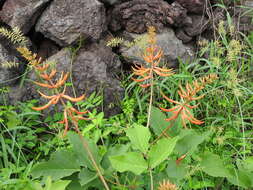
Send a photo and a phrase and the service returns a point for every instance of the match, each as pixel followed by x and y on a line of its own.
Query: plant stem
pixel 163 133
pixel 151 179
pixel 150 100
pixel 86 147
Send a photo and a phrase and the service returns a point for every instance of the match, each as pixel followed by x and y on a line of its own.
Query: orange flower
pixel 58 84
pixel 47 77
pixel 183 110
pixel 69 113
pixel 187 95
pixel 74 115
pixel 152 56
pixel 54 99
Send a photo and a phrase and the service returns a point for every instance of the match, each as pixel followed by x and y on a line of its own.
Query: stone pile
pixel 53 25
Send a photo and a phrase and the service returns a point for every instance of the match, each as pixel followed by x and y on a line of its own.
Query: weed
pixel 120 152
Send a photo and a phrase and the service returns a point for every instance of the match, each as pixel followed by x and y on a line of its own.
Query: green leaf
pixel 80 152
pixel 189 141
pixel 13 119
pixel 75 182
pixel 248 164
pixel 158 123
pixel 49 185
pixel 115 150
pixel 139 137
pixel 213 165
pixel 130 161
pixel 241 178
pixel 62 163
pixel 203 184
pixel 176 171
pixel 161 150
pixel 86 176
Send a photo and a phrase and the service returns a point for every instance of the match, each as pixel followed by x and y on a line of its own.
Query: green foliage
pixel 130 161
pixel 160 126
pixel 49 185
pixel 61 164
pixel 214 155
pixel 213 166
pixel 139 137
pixel 160 151
pixel 80 154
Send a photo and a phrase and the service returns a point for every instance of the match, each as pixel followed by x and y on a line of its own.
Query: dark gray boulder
pixel 136 15
pixel 65 21
pixel 22 13
pixel 193 6
pixel 199 25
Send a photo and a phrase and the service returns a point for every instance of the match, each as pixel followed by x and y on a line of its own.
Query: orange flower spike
pixel 145 85
pixel 192 107
pixel 189 89
pixel 44 76
pixel 173 117
pixel 165 70
pixel 62 80
pixel 190 117
pixel 47 77
pixel 187 95
pixel 81 118
pixel 162 74
pixel 182 93
pixel 198 98
pixel 148 59
pixel 171 109
pixel 45 106
pixel 152 56
pixel 158 54
pixel 44 85
pixel 52 74
pixel 157 62
pixel 42 68
pixel 140 69
pixel 45 96
pixel 141 80
pixel 57 98
pixel 78 112
pixel 73 99
pixel 170 100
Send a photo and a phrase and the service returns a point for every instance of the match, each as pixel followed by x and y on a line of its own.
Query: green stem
pixel 151 180
pixel 150 100
pixel 86 147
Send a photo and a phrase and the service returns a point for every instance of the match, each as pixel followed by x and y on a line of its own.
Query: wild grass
pixel 166 137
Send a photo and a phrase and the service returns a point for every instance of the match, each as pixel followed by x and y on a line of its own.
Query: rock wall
pixel 53 25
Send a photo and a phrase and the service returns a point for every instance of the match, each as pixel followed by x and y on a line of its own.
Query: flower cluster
pixel 47 75
pixel 188 95
pixel 152 56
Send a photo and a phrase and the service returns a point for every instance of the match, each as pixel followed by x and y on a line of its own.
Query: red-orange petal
pixel 43 107
pixel 73 99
